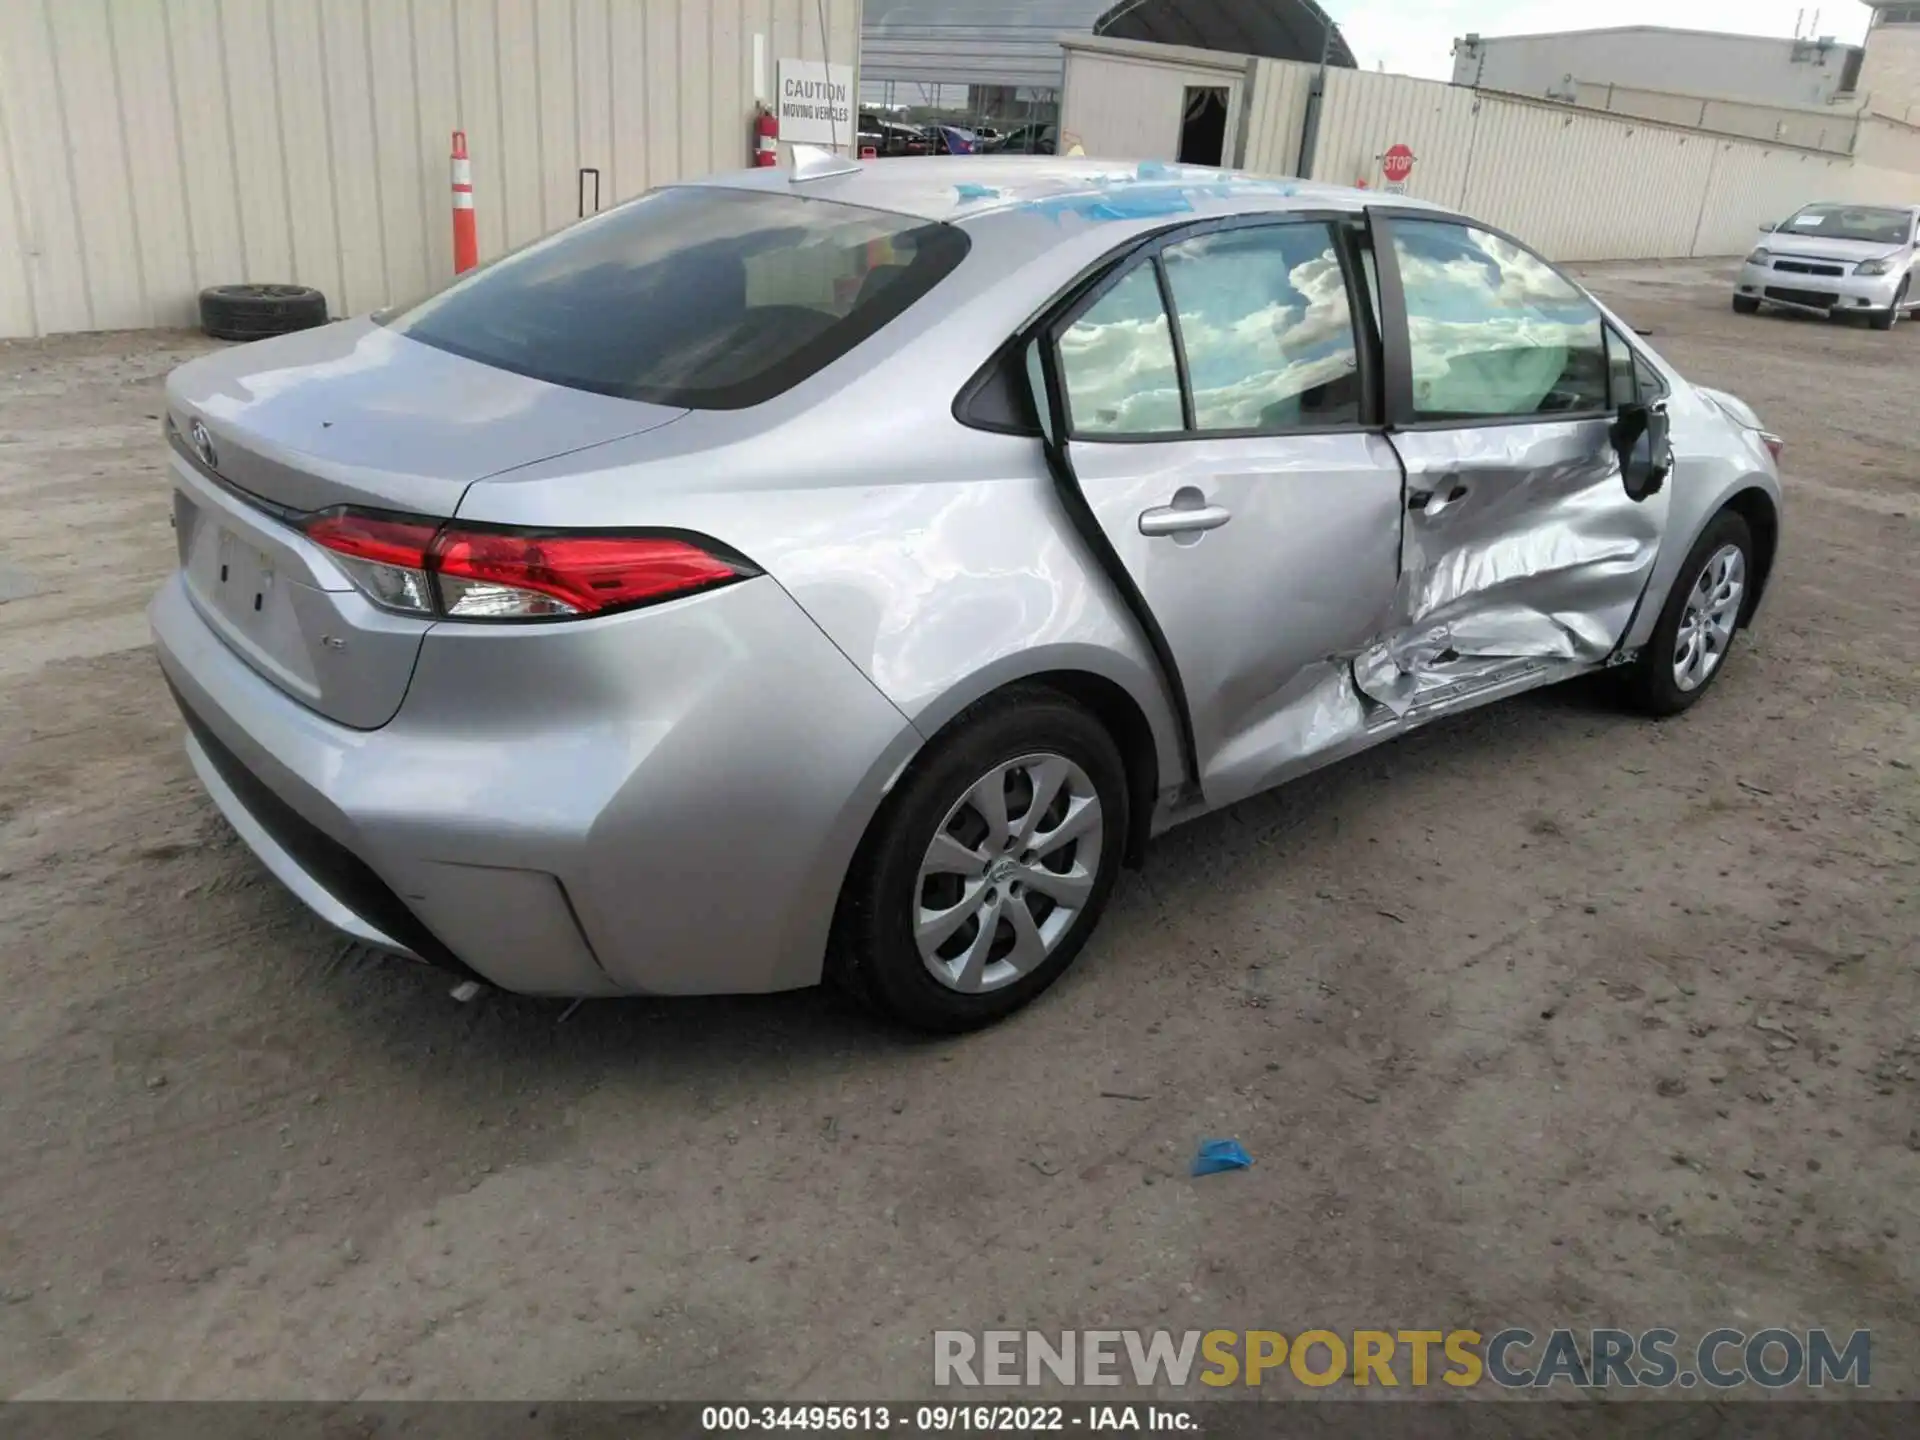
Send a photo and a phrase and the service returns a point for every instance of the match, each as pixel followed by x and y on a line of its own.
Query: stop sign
pixel 1397 164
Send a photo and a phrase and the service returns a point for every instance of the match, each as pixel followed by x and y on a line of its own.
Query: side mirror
pixel 1768 229
pixel 1641 438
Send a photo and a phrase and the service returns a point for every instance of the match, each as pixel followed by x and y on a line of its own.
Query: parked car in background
pixel 952 140
pixel 844 572
pixel 1039 139
pixel 986 134
pixel 1836 259
pixel 892 137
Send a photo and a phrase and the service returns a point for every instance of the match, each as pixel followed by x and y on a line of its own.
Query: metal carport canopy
pixel 1017 42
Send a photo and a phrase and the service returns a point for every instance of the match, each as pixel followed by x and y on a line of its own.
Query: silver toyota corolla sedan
pixel 1832 259
pixel 843 571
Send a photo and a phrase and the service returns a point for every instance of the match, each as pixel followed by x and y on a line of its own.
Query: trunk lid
pixel 348 414
pixel 354 414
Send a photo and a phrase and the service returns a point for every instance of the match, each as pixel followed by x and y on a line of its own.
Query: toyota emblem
pixel 203 445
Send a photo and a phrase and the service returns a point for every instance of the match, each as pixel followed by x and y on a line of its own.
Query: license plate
pixel 241 578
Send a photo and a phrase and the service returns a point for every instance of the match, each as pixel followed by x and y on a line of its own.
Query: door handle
pixel 1433 502
pixel 1183 519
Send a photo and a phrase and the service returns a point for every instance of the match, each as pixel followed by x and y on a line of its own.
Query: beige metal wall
pixel 1832 129
pixel 151 147
pixel 1363 114
pixel 1890 72
pixel 1877 185
pixel 1577 184
pixel 1276 114
pixel 1755 185
pixel 1585 187
pixel 1888 144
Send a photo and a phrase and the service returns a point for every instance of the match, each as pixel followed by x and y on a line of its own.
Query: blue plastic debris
pixel 976 192
pixel 1218 1155
pixel 1114 203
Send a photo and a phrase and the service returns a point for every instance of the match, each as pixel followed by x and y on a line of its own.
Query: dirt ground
pixel 1545 1016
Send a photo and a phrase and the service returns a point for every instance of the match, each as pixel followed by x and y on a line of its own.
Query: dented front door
pixel 1522 555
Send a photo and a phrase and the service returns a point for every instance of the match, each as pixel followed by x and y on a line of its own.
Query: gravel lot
pixel 1545 1016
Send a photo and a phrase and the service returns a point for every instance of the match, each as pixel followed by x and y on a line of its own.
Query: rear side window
pixel 697 296
pixel 1266 328
pixel 1118 365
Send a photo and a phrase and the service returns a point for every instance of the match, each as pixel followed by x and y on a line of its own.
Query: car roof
pixel 966 188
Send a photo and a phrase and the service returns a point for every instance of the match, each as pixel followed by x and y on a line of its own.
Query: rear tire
pixel 928 933
pixel 1745 305
pixel 254 312
pixel 1698 622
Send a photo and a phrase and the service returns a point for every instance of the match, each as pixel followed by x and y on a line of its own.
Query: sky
pixel 1415 37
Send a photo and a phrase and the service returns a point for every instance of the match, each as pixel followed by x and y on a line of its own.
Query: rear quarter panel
pixel 934 555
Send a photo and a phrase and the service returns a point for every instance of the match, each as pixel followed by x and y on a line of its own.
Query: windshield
pixel 1852 222
pixel 695 296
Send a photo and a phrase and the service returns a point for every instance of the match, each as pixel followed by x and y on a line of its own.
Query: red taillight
pixel 374 537
pixel 1774 445
pixel 462 573
pixel 586 573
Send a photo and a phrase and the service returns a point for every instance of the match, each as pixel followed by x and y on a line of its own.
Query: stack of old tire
pixel 253 312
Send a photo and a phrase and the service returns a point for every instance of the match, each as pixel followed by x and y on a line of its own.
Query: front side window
pixel 1622 370
pixel 694 296
pixel 1117 363
pixel 1266 328
pixel 1495 332
pixel 1647 381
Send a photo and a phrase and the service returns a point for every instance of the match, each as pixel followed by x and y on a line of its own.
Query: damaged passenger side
pixel 1532 506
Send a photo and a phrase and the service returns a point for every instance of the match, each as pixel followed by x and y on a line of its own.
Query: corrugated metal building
pixel 1762 69
pixel 152 147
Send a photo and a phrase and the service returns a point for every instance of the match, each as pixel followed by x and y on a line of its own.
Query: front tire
pixel 989 866
pixel 1745 305
pixel 1689 645
pixel 1888 318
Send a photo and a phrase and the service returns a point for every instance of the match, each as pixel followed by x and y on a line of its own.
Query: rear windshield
pixel 695 296
pixel 1852 222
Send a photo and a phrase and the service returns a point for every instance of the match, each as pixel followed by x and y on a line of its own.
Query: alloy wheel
pixel 1707 624
pixel 1009 871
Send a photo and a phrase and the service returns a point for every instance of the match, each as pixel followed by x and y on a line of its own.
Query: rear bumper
pixel 268 763
pixel 661 802
pixel 1817 294
pixel 323 875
